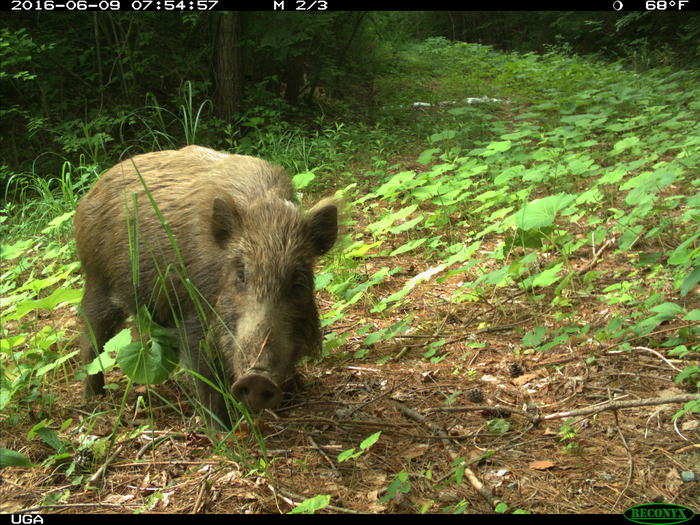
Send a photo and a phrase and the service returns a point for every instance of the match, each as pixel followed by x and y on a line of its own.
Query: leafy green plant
pixel 365 444
pixel 567 436
pixel 400 485
pixel 311 505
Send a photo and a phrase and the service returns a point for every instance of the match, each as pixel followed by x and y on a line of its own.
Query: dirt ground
pixel 428 414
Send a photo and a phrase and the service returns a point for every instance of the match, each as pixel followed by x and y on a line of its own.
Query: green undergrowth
pixel 587 163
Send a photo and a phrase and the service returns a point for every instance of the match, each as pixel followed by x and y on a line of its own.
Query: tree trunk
pixel 227 66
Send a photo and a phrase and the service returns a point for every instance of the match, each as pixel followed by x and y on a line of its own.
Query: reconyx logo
pixel 658 513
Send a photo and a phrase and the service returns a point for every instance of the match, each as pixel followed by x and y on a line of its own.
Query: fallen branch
pixel 617 405
pixel 203 494
pixel 484 491
pixel 596 256
pixel 651 351
pixel 101 471
pixel 151 444
pixel 495 408
pixel 325 456
pixel 77 506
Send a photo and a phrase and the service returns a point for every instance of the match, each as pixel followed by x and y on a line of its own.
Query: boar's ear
pixel 323 225
pixel 225 220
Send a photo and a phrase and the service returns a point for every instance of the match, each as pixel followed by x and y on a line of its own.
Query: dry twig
pixel 495 408
pixel 203 494
pixel 101 471
pixel 617 405
pixel 484 491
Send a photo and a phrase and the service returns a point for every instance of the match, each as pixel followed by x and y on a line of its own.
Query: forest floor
pixel 457 395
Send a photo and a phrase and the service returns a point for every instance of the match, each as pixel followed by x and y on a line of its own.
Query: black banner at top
pixel 313 6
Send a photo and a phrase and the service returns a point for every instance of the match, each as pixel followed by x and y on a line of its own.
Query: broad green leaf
pixel 302 180
pixel 500 146
pixel 443 135
pixel 548 276
pixel 462 253
pixel 104 361
pixel 690 281
pixel 311 505
pixel 541 212
pixel 398 182
pixel 50 437
pixel 513 172
pixel 693 315
pixel 395 329
pixel 147 366
pixel 400 485
pixel 347 454
pixel 10 342
pixel 427 156
pixel 58 221
pixel 496 277
pixel 361 249
pixel 668 310
pixel 370 440
pixel 498 425
pixel 11 251
pixel 407 247
pixel 58 296
pixel 321 280
pixel 534 337
pixel 406 225
pixel 612 177
pixel 501 508
pixel 10 458
pixel 119 341
pixel 387 221
pixel 627 142
pixel 56 363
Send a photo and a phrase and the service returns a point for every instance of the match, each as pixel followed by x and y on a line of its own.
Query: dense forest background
pixel 99 85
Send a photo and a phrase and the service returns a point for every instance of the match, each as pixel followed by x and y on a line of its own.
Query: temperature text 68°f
pixel 663 5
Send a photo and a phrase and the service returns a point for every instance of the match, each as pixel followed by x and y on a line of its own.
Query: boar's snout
pixel 257 392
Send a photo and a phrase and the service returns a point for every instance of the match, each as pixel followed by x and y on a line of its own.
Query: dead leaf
pixel 145 482
pixel 228 477
pixel 542 464
pixel 669 392
pixel 414 452
pixel 428 376
pixel 11 507
pixel 165 500
pixel 690 425
pixel 525 378
pixel 673 481
pixel 117 499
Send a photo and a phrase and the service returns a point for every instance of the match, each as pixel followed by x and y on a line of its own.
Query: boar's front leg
pixel 203 362
pixel 101 319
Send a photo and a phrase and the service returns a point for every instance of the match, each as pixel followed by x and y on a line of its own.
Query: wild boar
pixel 226 226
